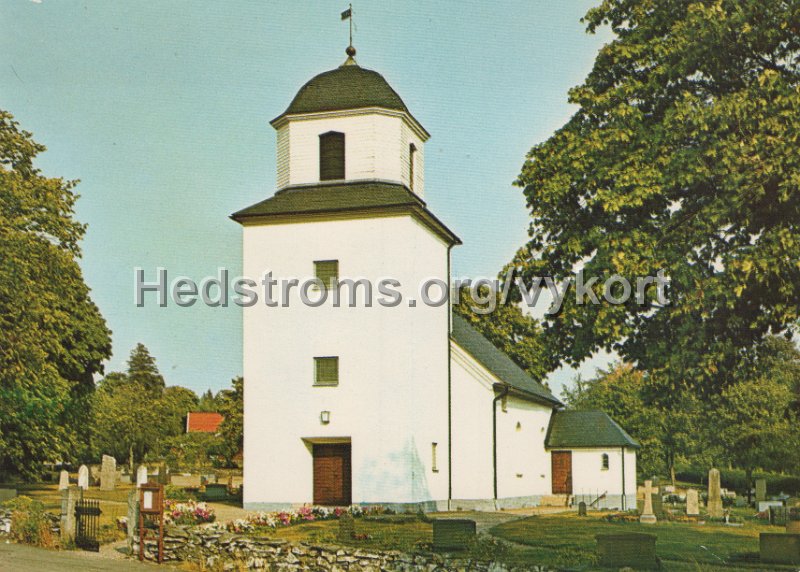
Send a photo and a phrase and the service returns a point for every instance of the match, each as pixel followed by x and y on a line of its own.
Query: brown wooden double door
pixel 562 472
pixel 332 475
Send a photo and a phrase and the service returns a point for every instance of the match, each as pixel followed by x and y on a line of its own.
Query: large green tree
pixel 667 435
pixel 52 336
pixel 754 426
pixel 134 413
pixel 682 156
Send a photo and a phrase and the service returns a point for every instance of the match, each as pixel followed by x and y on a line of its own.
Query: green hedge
pixel 735 479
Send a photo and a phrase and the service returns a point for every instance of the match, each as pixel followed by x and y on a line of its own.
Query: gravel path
pixel 15 557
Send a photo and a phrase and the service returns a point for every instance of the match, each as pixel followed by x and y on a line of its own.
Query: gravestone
pixel 692 503
pixel 83 477
pixel 347 528
pixel 141 476
pixel 108 474
pixel 779 548
pixel 761 490
pixel 63 480
pixel 647 516
pixel 581 508
pixel 714 506
pixel 453 534
pixel 631 549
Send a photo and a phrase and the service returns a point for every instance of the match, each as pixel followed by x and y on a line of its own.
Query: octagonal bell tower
pixel 349 124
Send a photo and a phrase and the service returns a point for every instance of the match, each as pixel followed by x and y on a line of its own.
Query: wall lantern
pixel 325 417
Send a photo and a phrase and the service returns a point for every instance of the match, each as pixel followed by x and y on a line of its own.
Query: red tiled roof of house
pixel 203 422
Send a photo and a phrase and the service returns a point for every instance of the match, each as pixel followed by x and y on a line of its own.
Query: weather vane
pixel 348 15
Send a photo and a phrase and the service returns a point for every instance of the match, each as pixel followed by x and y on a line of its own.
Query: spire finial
pixel 348 15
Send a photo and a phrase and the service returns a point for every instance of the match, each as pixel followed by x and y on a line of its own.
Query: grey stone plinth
pixel 632 549
pixel 778 548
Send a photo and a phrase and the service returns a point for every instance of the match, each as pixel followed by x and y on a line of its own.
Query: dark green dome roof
pixel 346 87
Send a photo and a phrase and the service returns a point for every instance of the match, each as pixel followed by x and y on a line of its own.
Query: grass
pixel 567 539
pixel 113 504
pixel 401 533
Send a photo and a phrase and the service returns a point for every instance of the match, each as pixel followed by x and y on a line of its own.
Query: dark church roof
pixel 586 429
pixel 343 198
pixel 497 362
pixel 347 87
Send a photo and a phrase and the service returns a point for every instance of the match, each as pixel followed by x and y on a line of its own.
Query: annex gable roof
pixel 586 429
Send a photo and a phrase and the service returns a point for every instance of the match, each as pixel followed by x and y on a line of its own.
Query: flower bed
pixel 303 514
pixel 189 512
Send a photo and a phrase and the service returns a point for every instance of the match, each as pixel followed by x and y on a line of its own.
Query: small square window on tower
pixel 604 462
pixel 327 271
pixel 326 371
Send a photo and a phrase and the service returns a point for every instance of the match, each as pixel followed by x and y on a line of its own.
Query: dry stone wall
pixel 220 549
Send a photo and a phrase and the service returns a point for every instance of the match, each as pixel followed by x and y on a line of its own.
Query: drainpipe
pixel 623 478
pixel 449 391
pixel 494 435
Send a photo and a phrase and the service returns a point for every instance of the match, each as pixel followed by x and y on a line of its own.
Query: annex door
pixel 332 474
pixel 562 472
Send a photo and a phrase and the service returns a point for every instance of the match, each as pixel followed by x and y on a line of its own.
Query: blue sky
pixel 161 109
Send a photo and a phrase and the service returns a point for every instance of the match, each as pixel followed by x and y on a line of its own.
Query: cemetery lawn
pixel 400 532
pixel 568 540
pixel 113 504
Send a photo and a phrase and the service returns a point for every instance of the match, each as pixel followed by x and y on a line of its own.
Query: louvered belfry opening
pixel 331 156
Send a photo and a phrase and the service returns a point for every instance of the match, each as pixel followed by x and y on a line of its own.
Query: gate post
pixel 133 519
pixel 69 498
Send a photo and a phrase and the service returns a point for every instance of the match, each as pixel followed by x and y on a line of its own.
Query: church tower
pixel 348 402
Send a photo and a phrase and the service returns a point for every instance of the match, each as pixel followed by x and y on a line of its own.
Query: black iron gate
pixel 87 524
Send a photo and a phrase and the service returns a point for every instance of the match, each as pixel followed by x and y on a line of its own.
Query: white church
pixel 405 406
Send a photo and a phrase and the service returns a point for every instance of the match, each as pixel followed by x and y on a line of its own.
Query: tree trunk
pixel 748 479
pixel 130 458
pixel 672 473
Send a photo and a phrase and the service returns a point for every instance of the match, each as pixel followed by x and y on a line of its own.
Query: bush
pixel 30 523
pixel 486 548
pixel 736 480
pixel 172 492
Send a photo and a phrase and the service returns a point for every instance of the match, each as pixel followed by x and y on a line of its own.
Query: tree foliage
pixel 232 428
pixel 751 424
pixel 143 372
pixel 134 413
pixel 683 156
pixel 514 332
pixel 52 336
